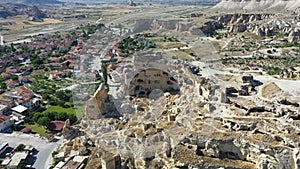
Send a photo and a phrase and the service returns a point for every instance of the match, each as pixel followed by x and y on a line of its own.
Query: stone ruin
pixel 198 126
pixel 151 110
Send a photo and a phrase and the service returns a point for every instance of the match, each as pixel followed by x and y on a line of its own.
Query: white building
pixel 59 165
pixel 1 40
pixel 17 158
pixel 5 122
pixel 20 109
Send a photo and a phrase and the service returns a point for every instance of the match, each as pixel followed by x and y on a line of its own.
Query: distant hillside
pixel 33 12
pixel 43 1
pixel 258 5
pixel 31 2
pixel 187 2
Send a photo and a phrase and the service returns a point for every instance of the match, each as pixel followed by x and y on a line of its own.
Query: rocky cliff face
pixel 255 5
pixel 265 24
pixel 260 24
pixel 238 18
pixel 294 36
pixel 100 105
pixel 36 14
pixel 208 27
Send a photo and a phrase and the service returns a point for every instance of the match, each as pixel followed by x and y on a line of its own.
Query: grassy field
pixel 180 54
pixel 60 109
pixel 41 130
pixel 169 45
pixel 78 109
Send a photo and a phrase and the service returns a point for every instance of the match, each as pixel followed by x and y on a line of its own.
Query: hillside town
pixel 34 95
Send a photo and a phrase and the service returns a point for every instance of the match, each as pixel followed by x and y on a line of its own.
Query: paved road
pixel 45 148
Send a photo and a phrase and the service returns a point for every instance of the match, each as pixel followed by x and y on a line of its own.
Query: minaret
pixel 1 40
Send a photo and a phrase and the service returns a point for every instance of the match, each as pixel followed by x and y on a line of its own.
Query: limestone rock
pixel 267 162
pixel 111 161
pixel 69 132
pixel 256 5
pixel 294 36
pixel 100 105
pixel 182 27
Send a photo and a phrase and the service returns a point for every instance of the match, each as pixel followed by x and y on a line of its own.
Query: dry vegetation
pixel 46 21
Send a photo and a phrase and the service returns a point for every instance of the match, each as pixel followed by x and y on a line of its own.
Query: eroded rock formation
pixel 294 36
pixel 255 5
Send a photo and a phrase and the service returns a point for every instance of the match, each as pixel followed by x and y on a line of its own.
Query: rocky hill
pixel 257 5
pixel 34 13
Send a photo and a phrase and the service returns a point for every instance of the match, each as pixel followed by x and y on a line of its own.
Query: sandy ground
pixel 46 21
pixel 270 90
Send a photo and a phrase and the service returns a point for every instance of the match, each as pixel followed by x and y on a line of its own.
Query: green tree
pixel 64 95
pixel 53 101
pixel 73 118
pixel 54 153
pixel 3 86
pixel 61 116
pixel 44 121
pixel 61 103
pixel 50 115
pixel 12 47
pixel 37 116
pixel 104 74
pixel 20 147
pixel 14 77
pixel 1 78
pixel 37 61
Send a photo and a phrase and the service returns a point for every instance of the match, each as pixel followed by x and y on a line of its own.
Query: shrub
pixel 20 147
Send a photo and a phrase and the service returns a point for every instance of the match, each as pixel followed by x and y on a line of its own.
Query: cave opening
pixel 149 80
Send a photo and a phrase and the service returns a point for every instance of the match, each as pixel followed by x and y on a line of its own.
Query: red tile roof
pixel 24 92
pixel 12 83
pixel 26 130
pixel 4 118
pixel 54 59
pixel 56 125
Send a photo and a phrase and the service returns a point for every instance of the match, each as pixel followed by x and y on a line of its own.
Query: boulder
pixel 294 36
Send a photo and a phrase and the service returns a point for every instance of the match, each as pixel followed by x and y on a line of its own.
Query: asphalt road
pixel 44 148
